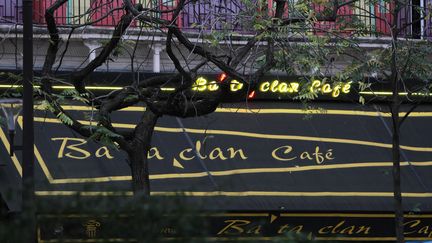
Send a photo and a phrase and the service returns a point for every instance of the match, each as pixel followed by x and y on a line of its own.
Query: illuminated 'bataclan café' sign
pixel 281 87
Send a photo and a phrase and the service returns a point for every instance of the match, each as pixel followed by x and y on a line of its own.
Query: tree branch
pixel 53 45
pixel 77 78
pixel 413 107
pixel 184 107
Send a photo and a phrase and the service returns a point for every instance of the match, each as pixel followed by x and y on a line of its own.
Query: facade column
pixel 92 46
pixel 157 48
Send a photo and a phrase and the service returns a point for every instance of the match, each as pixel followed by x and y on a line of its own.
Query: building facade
pixel 197 18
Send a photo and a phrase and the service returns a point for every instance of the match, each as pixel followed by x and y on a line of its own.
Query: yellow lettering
pixel 411 224
pixel 235 85
pixel 415 226
pixel 346 88
pixel 319 158
pixel 234 226
pixel 183 156
pixel 200 84
pixel 234 152
pixel 213 86
pixel 336 91
pixel 294 87
pixel 329 154
pixel 283 87
pixel 283 228
pixel 154 152
pixel 73 147
pixel 264 87
pixel 315 85
pixel 198 149
pixel 284 150
pixel 334 231
pixel 254 230
pixel 274 85
pixel 215 153
pixel 326 89
pixel 103 151
pixel 325 229
pixel 298 229
pixel 349 230
pixel 305 155
pixel 424 230
pixel 363 229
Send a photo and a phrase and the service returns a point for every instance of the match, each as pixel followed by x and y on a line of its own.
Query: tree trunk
pixel 397 192
pixel 140 171
pixel 395 107
pixel 139 147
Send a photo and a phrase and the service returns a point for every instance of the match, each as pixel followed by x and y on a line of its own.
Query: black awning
pixel 260 156
pixel 4 209
pixel 10 183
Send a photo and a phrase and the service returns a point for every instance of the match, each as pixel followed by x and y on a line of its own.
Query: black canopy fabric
pixel 255 156
pixel 4 209
pixel 10 180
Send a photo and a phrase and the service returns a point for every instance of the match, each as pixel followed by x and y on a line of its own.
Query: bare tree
pixel 402 66
pixel 238 63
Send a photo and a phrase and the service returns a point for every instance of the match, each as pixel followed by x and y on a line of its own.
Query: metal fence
pixel 228 15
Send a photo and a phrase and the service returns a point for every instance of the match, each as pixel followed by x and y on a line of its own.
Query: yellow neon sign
pixel 279 87
pixel 202 84
pixel 235 85
pixel 213 86
pixel 326 88
pixel 275 86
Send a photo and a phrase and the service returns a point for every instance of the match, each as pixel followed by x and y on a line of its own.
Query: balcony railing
pixel 227 15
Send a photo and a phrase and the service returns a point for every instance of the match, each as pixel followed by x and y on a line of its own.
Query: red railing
pixel 375 19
